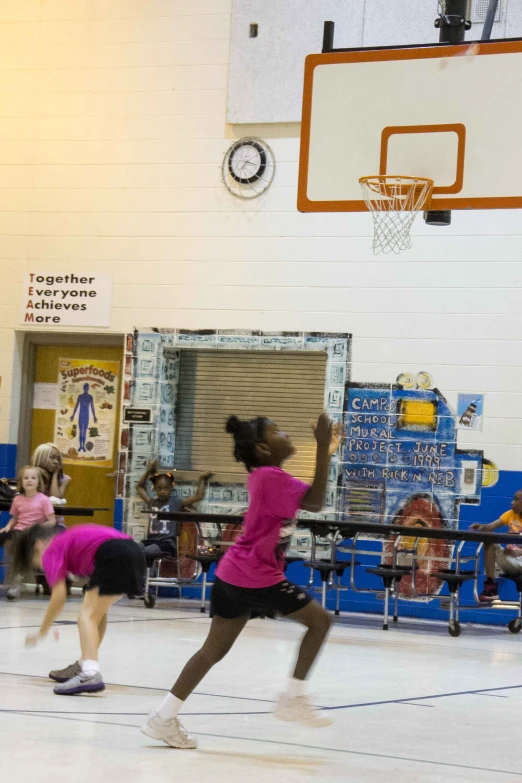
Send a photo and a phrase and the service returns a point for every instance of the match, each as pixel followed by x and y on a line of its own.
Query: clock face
pixel 247 162
pixel 248 167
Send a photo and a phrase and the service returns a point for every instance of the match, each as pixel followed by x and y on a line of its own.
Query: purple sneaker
pixel 82 683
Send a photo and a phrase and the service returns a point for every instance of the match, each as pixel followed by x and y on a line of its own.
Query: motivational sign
pixel 85 419
pixel 68 299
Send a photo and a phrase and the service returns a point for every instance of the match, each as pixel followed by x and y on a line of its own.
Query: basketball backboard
pixel 452 113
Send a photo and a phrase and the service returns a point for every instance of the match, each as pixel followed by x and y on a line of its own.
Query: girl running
pixel 115 565
pixel 29 507
pixel 250 577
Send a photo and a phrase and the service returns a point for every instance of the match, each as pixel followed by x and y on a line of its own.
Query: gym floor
pixel 412 704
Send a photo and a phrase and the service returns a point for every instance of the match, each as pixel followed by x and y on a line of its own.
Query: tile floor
pixel 412 704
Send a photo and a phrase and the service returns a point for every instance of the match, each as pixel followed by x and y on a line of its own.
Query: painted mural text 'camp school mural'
pixel 401 464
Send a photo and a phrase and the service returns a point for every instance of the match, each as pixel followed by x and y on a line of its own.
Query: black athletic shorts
pixel 229 601
pixel 119 568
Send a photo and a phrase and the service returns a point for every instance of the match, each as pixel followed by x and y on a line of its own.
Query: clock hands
pixel 248 168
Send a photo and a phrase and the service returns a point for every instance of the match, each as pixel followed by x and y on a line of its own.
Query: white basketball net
pixel 394 203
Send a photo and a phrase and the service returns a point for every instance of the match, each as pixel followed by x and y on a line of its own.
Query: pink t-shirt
pixel 30 511
pixel 252 561
pixel 74 551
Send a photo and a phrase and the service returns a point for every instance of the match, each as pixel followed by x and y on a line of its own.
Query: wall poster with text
pixel 85 421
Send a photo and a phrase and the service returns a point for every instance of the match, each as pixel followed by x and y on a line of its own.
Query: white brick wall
pixel 112 131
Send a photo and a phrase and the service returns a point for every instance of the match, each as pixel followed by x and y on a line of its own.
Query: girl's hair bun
pixel 233 425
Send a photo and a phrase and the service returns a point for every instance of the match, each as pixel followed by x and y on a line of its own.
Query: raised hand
pixel 337 434
pixel 322 430
pixel 31 640
pixel 152 465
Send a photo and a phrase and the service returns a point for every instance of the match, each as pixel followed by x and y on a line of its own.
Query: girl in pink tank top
pixel 250 578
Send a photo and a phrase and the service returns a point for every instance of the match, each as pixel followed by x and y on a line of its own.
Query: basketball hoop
pixel 394 202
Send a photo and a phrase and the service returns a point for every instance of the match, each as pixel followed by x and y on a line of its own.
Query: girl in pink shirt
pixel 29 507
pixel 115 566
pixel 250 577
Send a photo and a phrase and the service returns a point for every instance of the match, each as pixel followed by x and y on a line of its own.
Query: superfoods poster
pixel 85 421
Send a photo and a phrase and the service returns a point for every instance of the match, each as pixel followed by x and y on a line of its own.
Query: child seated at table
pixel 508 559
pixel 161 534
pixel 48 459
pixel 30 507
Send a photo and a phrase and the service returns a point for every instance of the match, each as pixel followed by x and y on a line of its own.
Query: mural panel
pixel 401 464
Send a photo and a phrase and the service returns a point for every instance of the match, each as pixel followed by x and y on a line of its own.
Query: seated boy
pixel 508 559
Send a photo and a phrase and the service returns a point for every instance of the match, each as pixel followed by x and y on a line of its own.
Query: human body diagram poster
pixel 85 421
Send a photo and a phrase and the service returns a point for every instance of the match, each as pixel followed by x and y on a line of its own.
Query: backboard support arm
pixel 490 18
pixel 452 24
pixel 328 37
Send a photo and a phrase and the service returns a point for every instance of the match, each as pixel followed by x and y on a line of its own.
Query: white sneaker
pixel 299 709
pixel 12 593
pixel 170 731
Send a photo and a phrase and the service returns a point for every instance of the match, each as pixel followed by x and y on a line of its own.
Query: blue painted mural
pixel 401 463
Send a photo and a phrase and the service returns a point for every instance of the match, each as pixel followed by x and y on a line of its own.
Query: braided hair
pixel 247 434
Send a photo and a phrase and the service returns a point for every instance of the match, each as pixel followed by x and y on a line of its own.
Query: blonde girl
pixel 47 457
pixel 30 507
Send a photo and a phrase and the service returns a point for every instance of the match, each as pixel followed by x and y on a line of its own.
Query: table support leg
pixel 386 607
pixel 203 592
pixel 396 588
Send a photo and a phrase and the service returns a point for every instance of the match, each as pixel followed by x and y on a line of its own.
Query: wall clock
pixel 248 167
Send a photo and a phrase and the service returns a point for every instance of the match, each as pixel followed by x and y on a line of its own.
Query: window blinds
pixel 288 388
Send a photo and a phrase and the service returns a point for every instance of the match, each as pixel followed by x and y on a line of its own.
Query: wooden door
pixel 91 485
